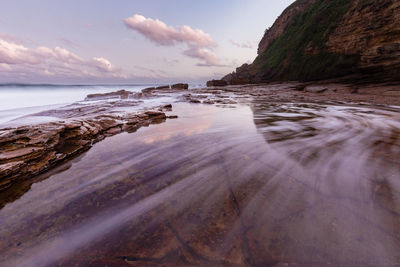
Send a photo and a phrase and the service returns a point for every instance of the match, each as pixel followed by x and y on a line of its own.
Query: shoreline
pixel 27 151
pixel 322 91
pixel 218 172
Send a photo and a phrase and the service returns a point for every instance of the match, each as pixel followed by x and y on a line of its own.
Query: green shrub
pixel 286 57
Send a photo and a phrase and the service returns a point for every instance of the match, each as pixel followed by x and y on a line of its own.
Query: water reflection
pixel 275 184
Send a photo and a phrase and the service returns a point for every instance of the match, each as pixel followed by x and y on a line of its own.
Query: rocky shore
pixel 317 92
pixel 211 180
pixel 27 151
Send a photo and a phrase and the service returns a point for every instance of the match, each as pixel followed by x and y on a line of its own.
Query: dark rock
pixel 123 94
pixel 299 87
pixel 239 81
pixel 155 114
pixel 315 89
pixel 148 90
pixel 216 83
pixel 162 87
pixel 180 86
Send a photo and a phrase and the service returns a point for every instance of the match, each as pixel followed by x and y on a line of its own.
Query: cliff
pixel 354 40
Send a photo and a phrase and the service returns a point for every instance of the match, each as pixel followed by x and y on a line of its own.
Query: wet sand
pixel 259 183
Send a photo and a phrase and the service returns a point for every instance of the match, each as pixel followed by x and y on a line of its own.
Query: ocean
pixel 17 100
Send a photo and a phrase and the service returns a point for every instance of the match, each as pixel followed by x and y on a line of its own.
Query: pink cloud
pixel 204 54
pixel 162 34
pixel 18 60
pixel 199 43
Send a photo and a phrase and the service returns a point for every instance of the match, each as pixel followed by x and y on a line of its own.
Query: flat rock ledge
pixel 28 151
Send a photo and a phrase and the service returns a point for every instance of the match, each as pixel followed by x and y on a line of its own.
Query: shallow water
pixel 265 184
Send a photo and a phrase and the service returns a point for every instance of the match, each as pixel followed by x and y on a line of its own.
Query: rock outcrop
pixel 163 87
pixel 216 83
pixel 30 150
pixel 180 86
pixel 122 94
pixel 349 40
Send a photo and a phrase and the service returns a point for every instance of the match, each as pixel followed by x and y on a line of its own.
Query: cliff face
pixel 282 22
pixel 371 29
pixel 323 39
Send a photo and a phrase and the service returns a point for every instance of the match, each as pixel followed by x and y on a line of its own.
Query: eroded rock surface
pixel 282 184
pixel 29 150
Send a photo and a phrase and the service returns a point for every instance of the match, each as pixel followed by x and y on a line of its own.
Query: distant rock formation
pixel 216 83
pixel 163 87
pixel 350 40
pixel 123 94
pixel 180 86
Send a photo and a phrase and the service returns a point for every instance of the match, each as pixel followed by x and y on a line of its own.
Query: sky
pixel 129 41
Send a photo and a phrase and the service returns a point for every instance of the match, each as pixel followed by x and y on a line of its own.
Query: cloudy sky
pixel 129 41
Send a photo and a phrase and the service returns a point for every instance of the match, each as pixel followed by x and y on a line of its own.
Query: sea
pixel 18 100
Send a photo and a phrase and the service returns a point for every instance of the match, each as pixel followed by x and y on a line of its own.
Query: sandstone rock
pixel 392 93
pixel 21 153
pixel 27 151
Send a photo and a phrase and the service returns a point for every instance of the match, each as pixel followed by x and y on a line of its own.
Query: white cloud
pixel 198 42
pixel 67 56
pixel 103 64
pixel 12 53
pixel 17 60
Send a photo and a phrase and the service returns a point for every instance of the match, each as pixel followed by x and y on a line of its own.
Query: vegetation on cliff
pixel 299 44
pixel 299 53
